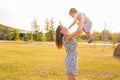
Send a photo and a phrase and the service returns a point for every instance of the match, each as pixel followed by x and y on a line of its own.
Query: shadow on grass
pixel 116 57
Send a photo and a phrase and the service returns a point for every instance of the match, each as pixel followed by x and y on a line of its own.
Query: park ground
pixel 43 61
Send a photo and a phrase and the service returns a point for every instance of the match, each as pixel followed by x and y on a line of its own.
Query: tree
pixel 37 36
pixel 115 38
pixel 10 35
pixel 0 33
pixel 106 35
pixel 96 36
pixel 27 37
pixel 47 29
pixel 5 31
pixel 81 37
pixel 50 32
pixel 16 35
pixel 0 30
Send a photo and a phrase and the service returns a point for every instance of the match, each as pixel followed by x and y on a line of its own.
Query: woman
pixel 70 44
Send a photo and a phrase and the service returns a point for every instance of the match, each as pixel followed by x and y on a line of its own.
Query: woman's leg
pixel 71 76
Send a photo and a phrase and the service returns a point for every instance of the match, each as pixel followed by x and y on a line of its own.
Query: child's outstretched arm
pixel 73 23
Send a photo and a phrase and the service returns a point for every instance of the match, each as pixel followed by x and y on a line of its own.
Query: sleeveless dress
pixel 71 58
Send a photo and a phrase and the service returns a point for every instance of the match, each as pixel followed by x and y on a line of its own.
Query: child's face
pixel 72 15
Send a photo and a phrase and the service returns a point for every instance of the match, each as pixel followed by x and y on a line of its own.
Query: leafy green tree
pixel 43 37
pixel 115 38
pixel 10 35
pixel 106 34
pixel 27 37
pixel 0 30
pixel 50 31
pixel 96 36
pixel 0 33
pixel 16 35
pixel 81 37
pixel 4 34
pixel 37 35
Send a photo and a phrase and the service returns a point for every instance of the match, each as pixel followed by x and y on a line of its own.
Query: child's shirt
pixel 82 16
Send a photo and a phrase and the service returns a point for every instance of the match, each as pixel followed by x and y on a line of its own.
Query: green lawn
pixel 43 61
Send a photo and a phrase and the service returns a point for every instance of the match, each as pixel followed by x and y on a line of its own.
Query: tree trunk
pixel 117 50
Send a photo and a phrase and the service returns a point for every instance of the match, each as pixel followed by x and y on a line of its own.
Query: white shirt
pixel 80 14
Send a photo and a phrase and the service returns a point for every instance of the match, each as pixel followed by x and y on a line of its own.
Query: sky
pixel 21 13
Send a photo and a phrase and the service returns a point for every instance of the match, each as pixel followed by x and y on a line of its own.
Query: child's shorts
pixel 88 26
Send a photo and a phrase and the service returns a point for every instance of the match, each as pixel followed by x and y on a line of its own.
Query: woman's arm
pixel 74 34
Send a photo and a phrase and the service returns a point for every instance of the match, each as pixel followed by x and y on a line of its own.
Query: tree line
pixel 37 35
pixel 8 33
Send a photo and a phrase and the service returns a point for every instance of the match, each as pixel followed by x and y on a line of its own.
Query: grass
pixel 43 61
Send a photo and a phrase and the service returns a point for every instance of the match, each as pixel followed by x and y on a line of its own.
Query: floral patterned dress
pixel 71 58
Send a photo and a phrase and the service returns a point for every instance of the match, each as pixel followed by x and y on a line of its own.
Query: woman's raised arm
pixel 74 34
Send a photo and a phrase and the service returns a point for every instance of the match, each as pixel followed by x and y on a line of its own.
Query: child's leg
pixel 89 35
pixel 88 26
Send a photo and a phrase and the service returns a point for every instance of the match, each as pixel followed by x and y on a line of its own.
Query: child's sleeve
pixel 76 16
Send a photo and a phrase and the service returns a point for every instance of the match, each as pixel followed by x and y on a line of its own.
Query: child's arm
pixel 73 23
pixel 73 34
pixel 77 18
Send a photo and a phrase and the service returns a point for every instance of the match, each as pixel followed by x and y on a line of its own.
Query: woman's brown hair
pixel 59 36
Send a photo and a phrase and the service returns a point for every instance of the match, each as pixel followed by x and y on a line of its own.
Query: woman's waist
pixel 71 52
pixel 71 56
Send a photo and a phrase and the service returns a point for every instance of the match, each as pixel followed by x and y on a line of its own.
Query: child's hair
pixel 72 10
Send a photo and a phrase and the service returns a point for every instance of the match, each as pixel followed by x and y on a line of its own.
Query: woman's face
pixel 63 30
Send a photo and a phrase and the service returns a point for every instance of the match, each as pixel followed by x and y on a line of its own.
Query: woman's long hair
pixel 59 36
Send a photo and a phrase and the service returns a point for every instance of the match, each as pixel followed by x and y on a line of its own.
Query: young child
pixel 83 21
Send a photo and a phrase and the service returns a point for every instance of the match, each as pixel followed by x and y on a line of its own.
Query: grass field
pixel 43 61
